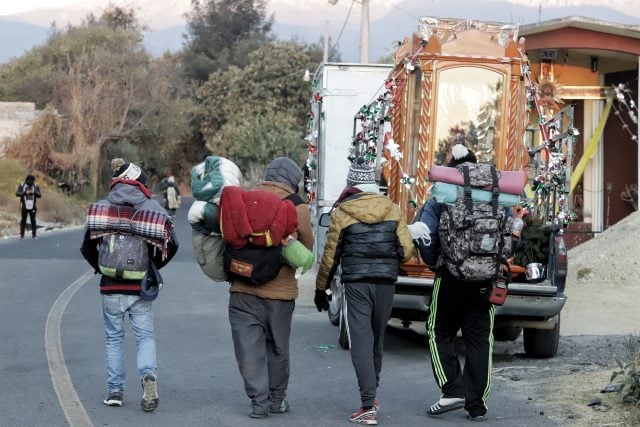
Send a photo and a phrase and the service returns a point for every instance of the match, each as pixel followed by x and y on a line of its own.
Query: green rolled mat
pixel 297 255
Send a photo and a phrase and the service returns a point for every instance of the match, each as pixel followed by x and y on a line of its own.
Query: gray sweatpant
pixel 368 309
pixel 260 329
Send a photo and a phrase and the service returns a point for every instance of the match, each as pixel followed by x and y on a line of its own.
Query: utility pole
pixel 364 33
pixel 364 29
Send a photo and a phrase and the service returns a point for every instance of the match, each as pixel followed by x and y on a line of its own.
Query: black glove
pixel 321 300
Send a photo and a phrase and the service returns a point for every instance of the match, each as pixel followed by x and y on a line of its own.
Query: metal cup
pixel 534 272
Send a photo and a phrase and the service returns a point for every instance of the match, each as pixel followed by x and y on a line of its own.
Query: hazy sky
pixel 8 7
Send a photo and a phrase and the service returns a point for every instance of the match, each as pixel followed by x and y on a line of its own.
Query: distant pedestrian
pixel 29 192
pixel 171 194
pixel 126 260
pixel 369 239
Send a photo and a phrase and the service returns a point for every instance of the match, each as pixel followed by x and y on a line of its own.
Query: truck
pixel 339 89
pixel 459 80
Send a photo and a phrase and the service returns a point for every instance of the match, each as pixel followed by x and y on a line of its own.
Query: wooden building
pixel 581 61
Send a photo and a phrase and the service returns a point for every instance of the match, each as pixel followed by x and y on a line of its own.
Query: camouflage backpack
pixel 475 236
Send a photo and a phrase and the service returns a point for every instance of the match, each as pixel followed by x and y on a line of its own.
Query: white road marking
pixel 71 405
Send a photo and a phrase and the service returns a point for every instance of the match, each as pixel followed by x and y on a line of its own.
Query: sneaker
pixel 258 415
pixel 113 399
pixel 376 405
pixel 280 409
pixel 479 417
pixel 365 416
pixel 150 398
pixel 445 405
pixel 35 238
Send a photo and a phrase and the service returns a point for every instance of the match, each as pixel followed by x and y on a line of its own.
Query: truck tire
pixel 335 305
pixel 542 343
pixel 343 337
pixel 334 312
pixel 506 333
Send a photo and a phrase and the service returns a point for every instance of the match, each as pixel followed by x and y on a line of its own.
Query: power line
pixel 345 23
pixel 405 11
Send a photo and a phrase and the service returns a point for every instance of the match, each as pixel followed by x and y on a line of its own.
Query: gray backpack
pixel 475 237
pixel 123 256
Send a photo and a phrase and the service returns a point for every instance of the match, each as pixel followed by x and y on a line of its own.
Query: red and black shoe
pixel 365 416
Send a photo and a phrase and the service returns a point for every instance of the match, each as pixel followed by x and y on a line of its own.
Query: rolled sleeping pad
pixel 510 182
pixel 444 192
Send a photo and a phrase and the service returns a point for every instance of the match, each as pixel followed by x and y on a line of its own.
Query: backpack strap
pixel 496 190
pixel 295 199
pixel 467 188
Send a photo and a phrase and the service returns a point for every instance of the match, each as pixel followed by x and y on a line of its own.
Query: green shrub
pixel 629 372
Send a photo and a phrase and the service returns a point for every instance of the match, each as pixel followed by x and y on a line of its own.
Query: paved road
pixel 52 357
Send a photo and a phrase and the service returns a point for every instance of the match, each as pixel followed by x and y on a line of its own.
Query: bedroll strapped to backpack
pixel 255 258
pixel 475 236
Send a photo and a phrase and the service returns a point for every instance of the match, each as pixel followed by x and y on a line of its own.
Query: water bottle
pixel 517 227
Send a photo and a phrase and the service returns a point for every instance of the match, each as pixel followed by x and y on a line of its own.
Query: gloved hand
pixel 321 300
pixel 420 231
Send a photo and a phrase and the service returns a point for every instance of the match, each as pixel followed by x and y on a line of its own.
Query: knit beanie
pixel 360 173
pixel 461 154
pixel 128 171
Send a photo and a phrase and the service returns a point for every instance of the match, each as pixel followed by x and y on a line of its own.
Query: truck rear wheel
pixel 343 337
pixel 506 333
pixel 542 343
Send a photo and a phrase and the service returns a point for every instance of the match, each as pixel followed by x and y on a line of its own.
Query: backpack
pixel 475 236
pixel 123 256
pixel 254 264
pixel 172 198
pixel 29 199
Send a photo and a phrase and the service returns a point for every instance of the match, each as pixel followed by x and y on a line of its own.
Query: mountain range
pixel 390 20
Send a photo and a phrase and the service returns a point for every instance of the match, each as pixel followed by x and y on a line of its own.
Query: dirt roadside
pixel 597 324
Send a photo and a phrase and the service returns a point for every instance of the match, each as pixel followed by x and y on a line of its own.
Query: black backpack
pixel 255 264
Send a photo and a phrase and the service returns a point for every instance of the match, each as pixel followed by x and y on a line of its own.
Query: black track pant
pixel 456 306
pixel 368 309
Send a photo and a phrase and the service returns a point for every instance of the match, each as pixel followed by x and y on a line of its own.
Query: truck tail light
pixel 561 256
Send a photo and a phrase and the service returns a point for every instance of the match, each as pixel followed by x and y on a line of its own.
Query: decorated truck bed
pixel 462 81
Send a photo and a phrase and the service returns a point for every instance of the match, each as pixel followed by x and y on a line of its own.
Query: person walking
pixel 29 193
pixel 457 305
pixel 171 194
pixel 260 316
pixel 369 239
pixel 122 294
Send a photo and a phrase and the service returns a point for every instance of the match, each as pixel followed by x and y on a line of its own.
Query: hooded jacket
pixel 129 193
pixel 368 238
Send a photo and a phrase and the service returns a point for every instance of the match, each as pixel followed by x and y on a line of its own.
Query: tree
pixel 222 33
pixel 109 90
pixel 259 112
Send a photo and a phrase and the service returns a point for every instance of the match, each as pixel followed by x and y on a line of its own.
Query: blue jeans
pixel 114 309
